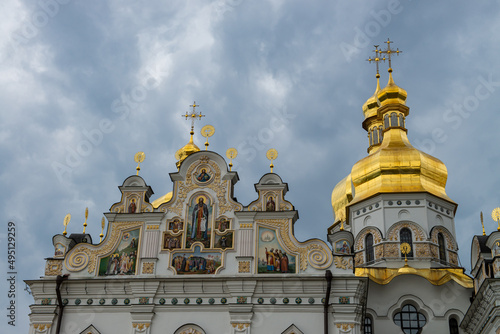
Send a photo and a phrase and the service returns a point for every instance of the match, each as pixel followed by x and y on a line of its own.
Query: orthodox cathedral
pixel 196 261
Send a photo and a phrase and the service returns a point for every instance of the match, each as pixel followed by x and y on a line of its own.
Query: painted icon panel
pixel 171 242
pixel 342 247
pixel 273 259
pixel 196 262
pixel 199 221
pixel 123 260
pixel 224 241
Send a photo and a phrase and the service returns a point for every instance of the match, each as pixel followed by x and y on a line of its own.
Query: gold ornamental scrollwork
pixel 343 262
pixel 244 266
pixel 148 267
pixel 450 242
pixel 218 186
pixel 85 255
pixel 53 267
pixel 360 239
pixel 314 252
pixel 393 233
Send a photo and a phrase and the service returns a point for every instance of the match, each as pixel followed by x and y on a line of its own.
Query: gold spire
pixel 231 153
pixel 272 154
pixel 86 216
pixel 391 93
pixel 482 223
pixel 103 222
pixel 67 218
pixel 190 147
pixel 495 214
pixel 371 105
pixel 139 157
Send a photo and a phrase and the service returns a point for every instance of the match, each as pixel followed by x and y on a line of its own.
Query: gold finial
pixel 405 249
pixel 193 116
pixel 86 216
pixel 495 214
pixel 341 225
pixel 482 223
pixel 67 218
pixel 103 222
pixel 231 153
pixel 272 154
pixel 388 52
pixel 207 131
pixel 139 157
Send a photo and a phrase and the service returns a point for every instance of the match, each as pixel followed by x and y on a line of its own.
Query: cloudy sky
pixel 87 84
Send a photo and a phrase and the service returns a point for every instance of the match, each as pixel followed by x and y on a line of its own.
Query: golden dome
pixel 392 93
pixel 398 167
pixel 187 150
pixel 341 196
pixel 159 201
pixel 372 104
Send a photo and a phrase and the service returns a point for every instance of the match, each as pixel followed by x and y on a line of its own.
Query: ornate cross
pixel 376 58
pixel 388 52
pixel 193 115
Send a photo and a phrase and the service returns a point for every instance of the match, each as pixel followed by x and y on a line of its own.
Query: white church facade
pixel 197 261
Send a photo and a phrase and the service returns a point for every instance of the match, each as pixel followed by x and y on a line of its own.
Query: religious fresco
pixel 199 221
pixel 203 176
pixel 272 258
pixel 270 204
pixel 59 250
pixel 196 262
pixel 176 225
pixel 224 241
pixel 343 247
pixel 223 224
pixel 132 206
pixel 123 260
pixel 171 242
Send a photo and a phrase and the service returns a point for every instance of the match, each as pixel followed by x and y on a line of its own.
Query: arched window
pixel 453 324
pixel 370 137
pixel 368 327
pixel 442 249
pixel 401 121
pixel 394 119
pixel 370 255
pixel 410 321
pixel 380 133
pixel 405 236
pixel 386 121
pixel 375 136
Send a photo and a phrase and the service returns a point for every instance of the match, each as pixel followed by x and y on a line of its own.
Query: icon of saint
pixel 132 207
pixel 200 220
pixel 204 176
pixel 270 205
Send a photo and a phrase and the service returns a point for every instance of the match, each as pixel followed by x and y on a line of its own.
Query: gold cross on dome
pixel 388 52
pixel 376 59
pixel 193 115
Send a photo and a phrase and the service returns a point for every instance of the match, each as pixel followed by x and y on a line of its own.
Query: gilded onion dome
pixel 164 199
pixel 187 150
pixel 371 105
pixel 396 166
pixel 341 196
pixel 392 93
